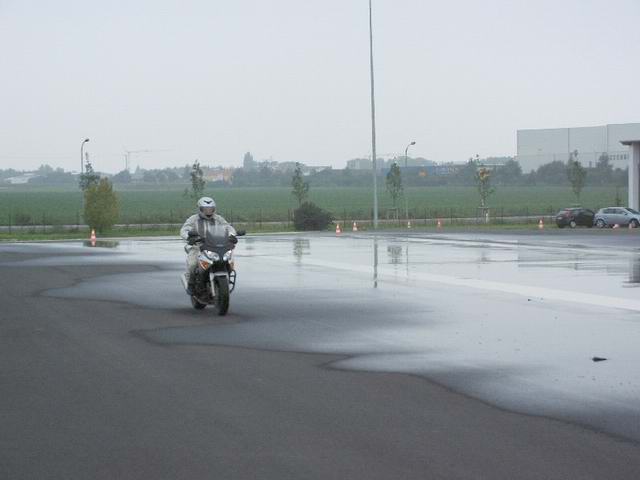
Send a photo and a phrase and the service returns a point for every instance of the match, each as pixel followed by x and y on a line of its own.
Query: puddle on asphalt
pixel 514 326
pixel 101 243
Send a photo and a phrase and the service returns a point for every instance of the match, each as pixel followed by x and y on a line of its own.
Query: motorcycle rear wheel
pixel 222 295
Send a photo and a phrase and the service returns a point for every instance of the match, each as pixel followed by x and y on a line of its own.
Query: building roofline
pixel 580 127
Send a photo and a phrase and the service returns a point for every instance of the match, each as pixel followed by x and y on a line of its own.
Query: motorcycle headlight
pixel 212 255
pixel 227 256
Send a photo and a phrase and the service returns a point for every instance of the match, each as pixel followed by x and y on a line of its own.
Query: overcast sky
pixel 289 79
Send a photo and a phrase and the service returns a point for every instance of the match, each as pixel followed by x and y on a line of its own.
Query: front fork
pixel 228 273
pixel 213 270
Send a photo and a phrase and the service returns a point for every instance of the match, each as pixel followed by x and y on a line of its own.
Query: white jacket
pixel 199 224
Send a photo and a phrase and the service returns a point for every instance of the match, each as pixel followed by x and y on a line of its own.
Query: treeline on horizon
pixel 509 174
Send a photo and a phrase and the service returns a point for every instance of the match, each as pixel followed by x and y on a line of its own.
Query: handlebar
pixel 193 238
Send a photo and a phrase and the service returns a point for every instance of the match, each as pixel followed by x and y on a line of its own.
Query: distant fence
pixel 259 217
pixel 387 219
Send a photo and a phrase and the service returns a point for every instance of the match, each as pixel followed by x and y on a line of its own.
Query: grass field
pixel 53 206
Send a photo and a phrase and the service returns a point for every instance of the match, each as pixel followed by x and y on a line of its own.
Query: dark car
pixel 573 217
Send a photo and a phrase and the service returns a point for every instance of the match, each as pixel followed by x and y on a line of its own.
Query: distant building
pixel 268 164
pixel 412 162
pixel 286 166
pixel 362 164
pixel 21 179
pixel 537 147
pixel 445 169
pixel 289 167
pixel 217 174
pixel 309 169
pixel 633 145
pixel 432 170
pixel 381 164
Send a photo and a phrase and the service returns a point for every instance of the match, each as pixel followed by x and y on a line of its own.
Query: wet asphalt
pixel 464 355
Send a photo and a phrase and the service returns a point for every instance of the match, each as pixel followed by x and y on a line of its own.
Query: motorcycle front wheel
pixel 222 295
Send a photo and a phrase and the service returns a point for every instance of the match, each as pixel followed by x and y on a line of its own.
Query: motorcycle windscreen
pixel 217 236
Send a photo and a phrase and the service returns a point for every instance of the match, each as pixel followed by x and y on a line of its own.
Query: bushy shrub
pixel 309 216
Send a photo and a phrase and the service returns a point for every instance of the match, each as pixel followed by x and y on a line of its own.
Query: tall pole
pixel 406 201
pixel 82 155
pixel 373 126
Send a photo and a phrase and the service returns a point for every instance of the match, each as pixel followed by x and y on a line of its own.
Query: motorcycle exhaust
pixel 185 284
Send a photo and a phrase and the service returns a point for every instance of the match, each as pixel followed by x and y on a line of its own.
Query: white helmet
pixel 207 207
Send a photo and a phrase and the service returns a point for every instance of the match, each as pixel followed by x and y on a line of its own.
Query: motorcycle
pixel 215 275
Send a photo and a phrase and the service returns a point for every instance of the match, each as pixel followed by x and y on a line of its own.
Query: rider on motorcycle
pixel 195 228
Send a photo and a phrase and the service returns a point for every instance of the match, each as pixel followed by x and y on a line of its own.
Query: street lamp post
pixel 82 155
pixel 373 125
pixel 406 201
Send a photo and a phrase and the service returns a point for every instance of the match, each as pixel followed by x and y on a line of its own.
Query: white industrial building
pixel 634 170
pixel 537 147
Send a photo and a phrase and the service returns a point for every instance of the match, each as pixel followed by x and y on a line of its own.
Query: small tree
pixel 394 184
pixel 483 182
pixel 197 180
pixel 577 174
pixel 88 178
pixel 101 205
pixel 299 186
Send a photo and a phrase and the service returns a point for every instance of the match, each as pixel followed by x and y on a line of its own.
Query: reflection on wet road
pixel 514 321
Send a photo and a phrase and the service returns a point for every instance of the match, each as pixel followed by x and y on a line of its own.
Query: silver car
pixel 622 216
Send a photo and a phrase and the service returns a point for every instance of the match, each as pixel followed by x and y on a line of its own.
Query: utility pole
pixel 373 124
pixel 82 155
pixel 406 201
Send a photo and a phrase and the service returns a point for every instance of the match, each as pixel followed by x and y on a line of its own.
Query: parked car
pixel 623 216
pixel 572 217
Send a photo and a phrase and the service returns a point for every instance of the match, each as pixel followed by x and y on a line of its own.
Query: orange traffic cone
pixel 439 225
pixel 409 224
pixel 541 224
pixel 355 227
pixel 338 230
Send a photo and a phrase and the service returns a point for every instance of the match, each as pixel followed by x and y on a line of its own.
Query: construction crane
pixel 127 155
